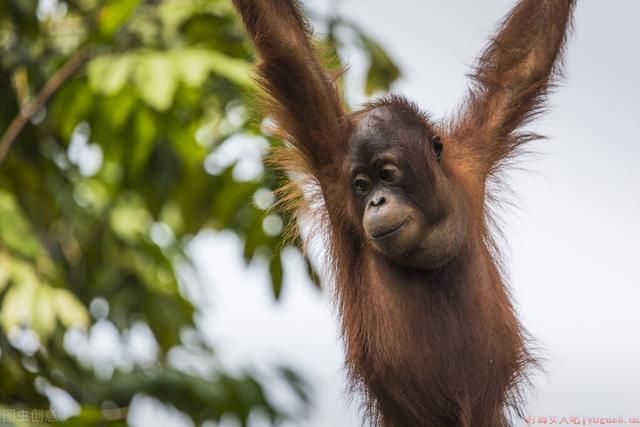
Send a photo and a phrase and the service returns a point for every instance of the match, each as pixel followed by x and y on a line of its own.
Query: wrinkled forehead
pixel 373 131
pixel 383 129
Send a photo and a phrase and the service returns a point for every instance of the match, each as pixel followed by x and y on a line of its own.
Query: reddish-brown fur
pixel 438 347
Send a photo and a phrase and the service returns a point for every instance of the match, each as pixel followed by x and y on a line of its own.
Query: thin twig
pixel 49 88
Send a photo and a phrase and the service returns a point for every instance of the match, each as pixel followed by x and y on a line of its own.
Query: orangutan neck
pixel 440 348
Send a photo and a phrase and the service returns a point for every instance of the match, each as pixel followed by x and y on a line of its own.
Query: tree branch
pixel 50 87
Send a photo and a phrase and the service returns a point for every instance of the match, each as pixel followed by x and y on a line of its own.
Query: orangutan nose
pixel 377 200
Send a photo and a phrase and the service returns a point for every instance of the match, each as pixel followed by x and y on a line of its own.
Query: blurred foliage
pixel 107 183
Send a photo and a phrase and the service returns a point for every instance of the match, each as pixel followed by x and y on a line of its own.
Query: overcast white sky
pixel 574 251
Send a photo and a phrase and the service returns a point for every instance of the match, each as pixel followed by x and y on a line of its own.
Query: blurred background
pixel 144 280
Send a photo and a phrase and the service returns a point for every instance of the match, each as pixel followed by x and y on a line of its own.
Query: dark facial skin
pixel 410 210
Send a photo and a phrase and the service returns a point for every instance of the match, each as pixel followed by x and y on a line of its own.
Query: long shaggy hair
pixel 438 347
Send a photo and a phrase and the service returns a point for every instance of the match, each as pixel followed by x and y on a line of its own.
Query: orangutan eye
pixel 361 185
pixel 437 146
pixel 388 173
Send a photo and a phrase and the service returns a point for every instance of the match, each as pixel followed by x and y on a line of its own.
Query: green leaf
pixel 33 303
pixel 17 306
pixel 110 73
pixel 145 137
pixel 68 309
pixel 117 109
pixel 237 71
pixel 5 270
pixel 43 314
pixel 129 219
pixel 275 268
pixel 166 328
pixel 298 384
pixel 72 105
pixel 89 416
pixel 156 79
pixel 193 66
pixel 114 14
pixel 15 231
pixel 382 70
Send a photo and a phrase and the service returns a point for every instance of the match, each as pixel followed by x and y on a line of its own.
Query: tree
pixel 115 119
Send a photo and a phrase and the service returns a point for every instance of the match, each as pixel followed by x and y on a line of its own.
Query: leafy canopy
pixel 137 114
